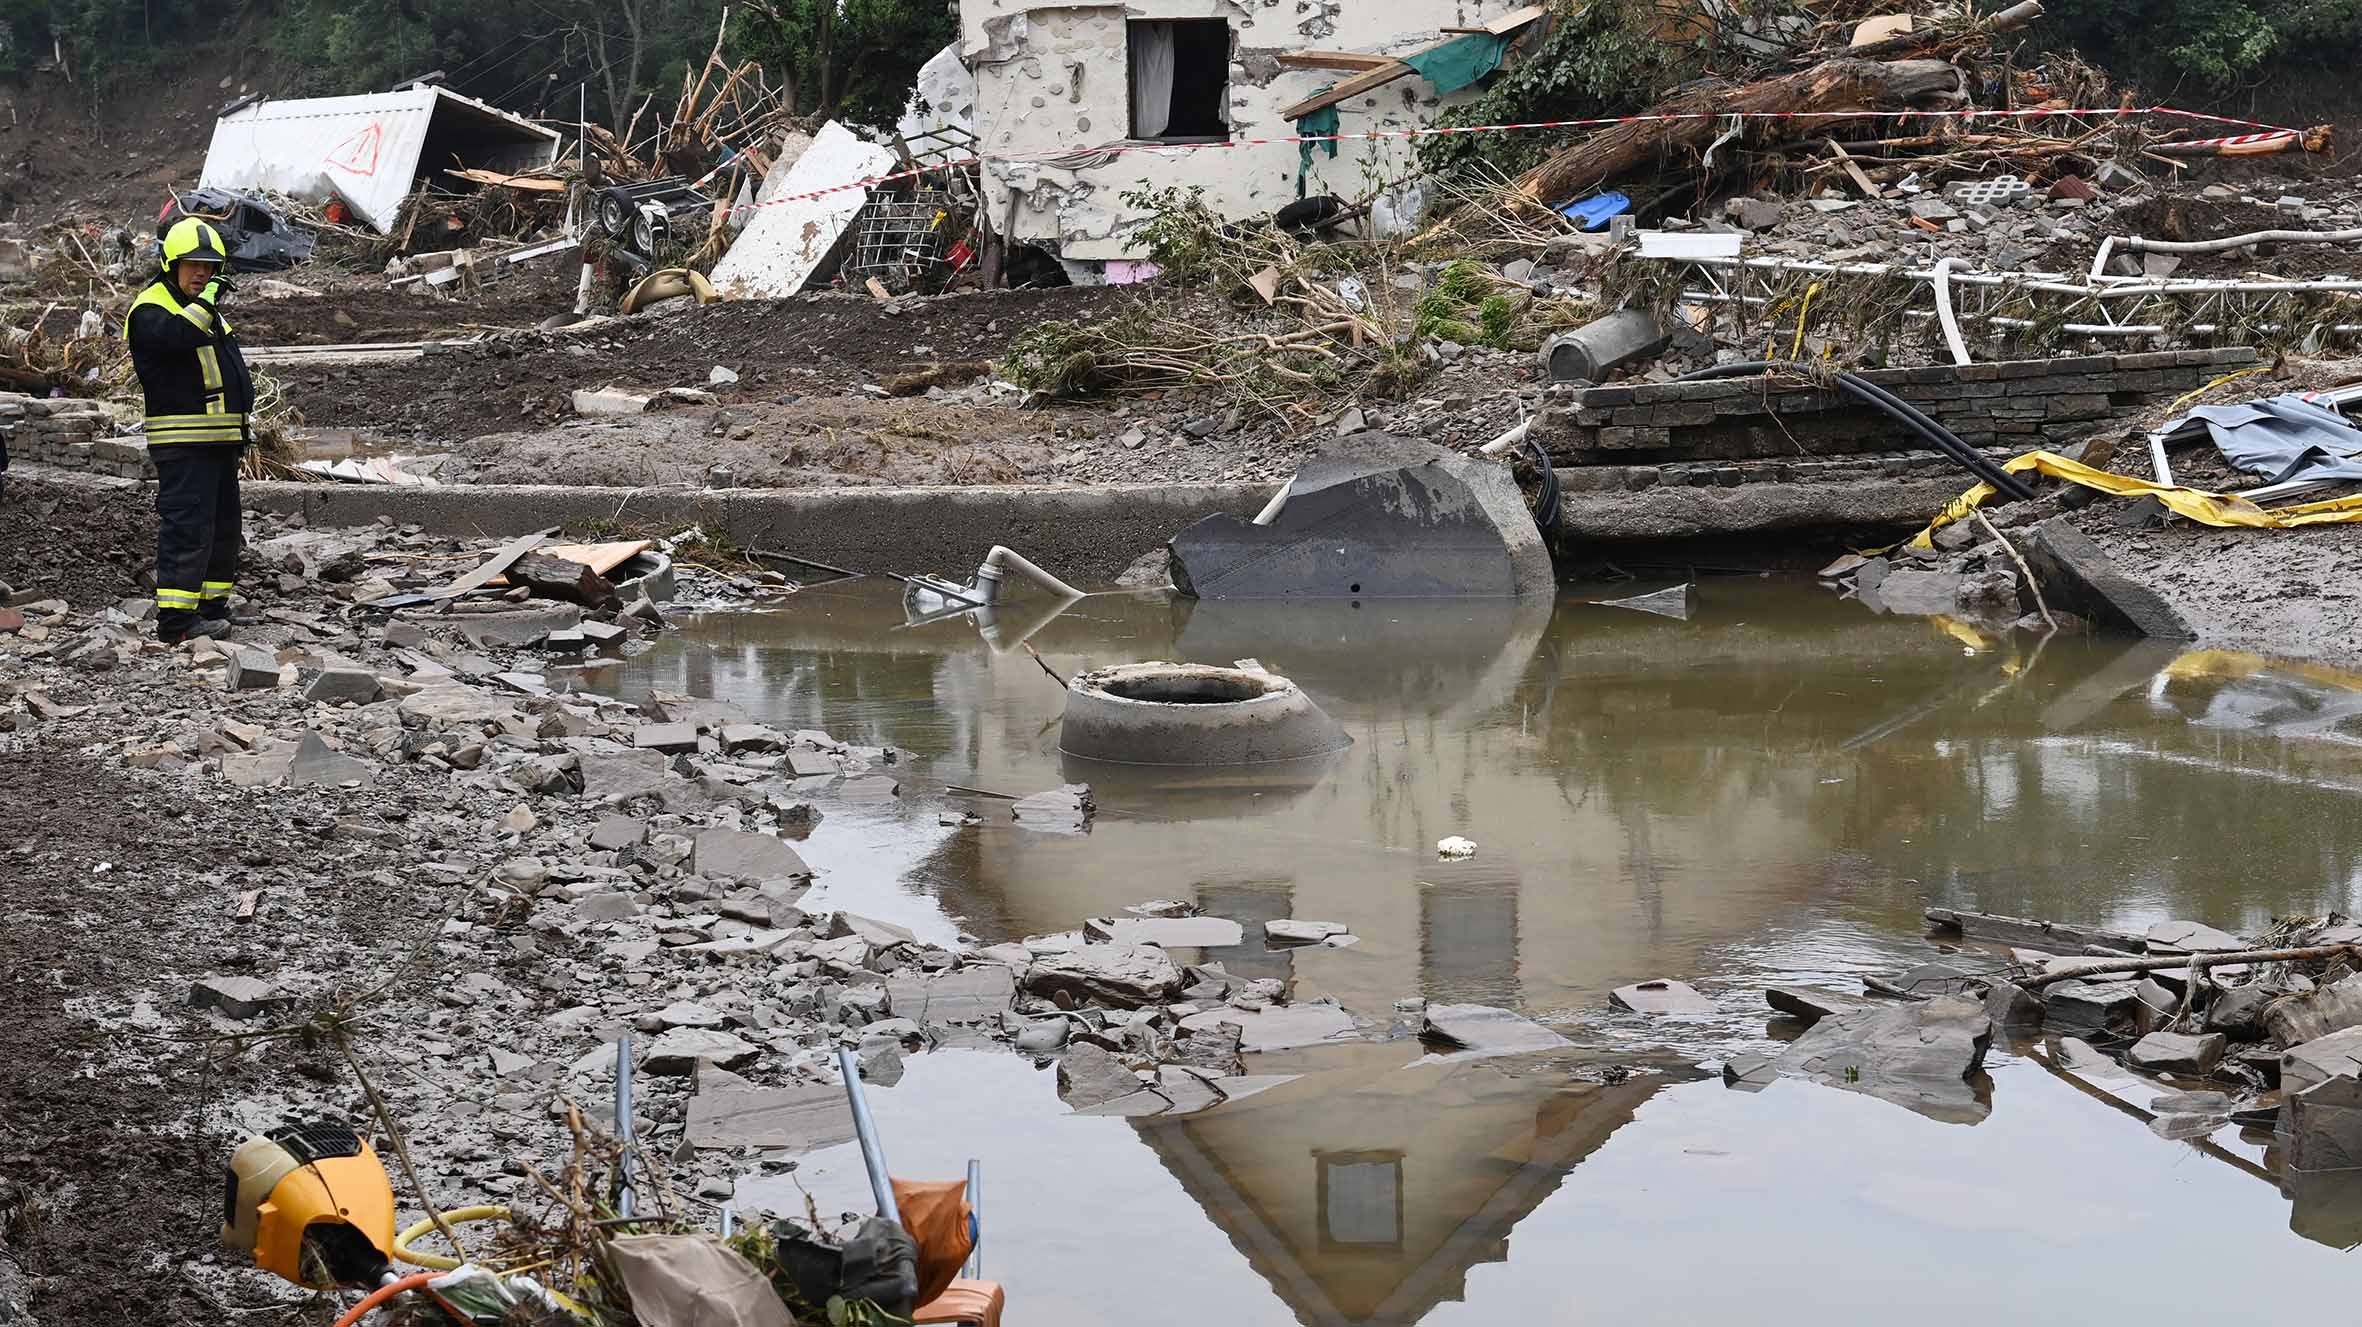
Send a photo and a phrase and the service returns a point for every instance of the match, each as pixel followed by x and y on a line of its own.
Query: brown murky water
pixel 1771 792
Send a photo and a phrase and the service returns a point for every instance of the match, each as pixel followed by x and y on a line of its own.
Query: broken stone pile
pixel 2222 1029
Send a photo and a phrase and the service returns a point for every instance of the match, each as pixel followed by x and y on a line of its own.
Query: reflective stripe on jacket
pixel 197 384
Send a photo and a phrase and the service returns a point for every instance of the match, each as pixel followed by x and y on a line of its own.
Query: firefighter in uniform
pixel 198 395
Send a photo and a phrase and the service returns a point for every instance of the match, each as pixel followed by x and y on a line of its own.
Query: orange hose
pixel 382 1294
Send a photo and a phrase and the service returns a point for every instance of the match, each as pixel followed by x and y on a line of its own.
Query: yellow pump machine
pixel 311 1203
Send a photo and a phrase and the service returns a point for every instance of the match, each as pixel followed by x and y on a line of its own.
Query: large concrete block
pixel 1394 519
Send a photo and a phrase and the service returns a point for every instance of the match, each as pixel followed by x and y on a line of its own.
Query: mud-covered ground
pixel 810 403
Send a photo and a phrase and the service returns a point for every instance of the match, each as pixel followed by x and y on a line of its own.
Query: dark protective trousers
pixel 197 532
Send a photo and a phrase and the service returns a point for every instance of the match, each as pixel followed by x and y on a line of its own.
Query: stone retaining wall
pixel 71 434
pixel 2012 405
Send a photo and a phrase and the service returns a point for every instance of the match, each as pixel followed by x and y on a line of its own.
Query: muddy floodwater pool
pixel 1771 792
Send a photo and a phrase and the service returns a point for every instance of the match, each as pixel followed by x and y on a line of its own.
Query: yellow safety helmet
pixel 193 239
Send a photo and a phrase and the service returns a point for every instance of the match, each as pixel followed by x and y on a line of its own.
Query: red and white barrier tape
pixel 1428 131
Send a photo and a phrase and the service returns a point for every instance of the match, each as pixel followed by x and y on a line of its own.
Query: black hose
pixel 1871 394
pixel 1545 502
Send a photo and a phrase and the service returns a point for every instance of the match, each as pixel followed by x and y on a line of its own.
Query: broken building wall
pixel 1055 79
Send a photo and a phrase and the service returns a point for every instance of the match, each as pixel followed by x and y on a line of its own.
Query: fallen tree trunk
pixel 2216 959
pixel 1837 85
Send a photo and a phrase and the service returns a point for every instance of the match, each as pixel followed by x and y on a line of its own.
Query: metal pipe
pixel 974 1271
pixel 1507 440
pixel 2139 245
pixel 881 1185
pixel 2160 468
pixel 2072 329
pixel 623 1124
pixel 988 575
pixel 1279 500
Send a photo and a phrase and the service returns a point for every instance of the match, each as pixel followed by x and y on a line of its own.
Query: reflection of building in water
pixel 1365 1193
pixel 1643 791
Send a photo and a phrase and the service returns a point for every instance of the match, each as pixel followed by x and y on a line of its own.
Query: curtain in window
pixel 1152 78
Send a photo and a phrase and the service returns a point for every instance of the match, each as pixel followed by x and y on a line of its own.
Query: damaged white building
pixel 1077 105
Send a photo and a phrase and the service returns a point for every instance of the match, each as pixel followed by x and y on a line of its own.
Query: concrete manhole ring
pixel 1192 714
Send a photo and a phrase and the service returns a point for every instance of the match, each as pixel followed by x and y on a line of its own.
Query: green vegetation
pixel 1600 59
pixel 852 59
pixel 2190 48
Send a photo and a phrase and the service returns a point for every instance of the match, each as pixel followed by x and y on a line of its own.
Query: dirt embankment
pixel 778 348
pixel 87 545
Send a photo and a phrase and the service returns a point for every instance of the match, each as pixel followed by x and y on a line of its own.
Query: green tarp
pixel 1450 67
pixel 1460 61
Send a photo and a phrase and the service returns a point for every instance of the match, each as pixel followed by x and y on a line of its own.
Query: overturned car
pixel 260 239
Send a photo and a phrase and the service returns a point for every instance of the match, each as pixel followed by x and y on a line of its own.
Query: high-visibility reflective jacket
pixel 197 384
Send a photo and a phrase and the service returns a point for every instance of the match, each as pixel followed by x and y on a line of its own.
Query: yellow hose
pixel 436 1262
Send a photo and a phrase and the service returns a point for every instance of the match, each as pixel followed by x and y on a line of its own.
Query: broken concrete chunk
pixel 607 402
pixel 1066 809
pixel 737 737
pixel 2090 1006
pixel 1089 1076
pixel 671 738
pixel 235 997
pixel 1811 1003
pixel 1662 996
pixel 2239 1011
pixel 316 764
pixel 336 686
pixel 1124 975
pixel 2316 1013
pixel 2321 1126
pixel 1277 1028
pixel 1165 932
pixel 677 1052
pixel 250 670
pixel 443 706
pixel 975 994
pixel 1487 1030
pixel 799 1119
pixel 2010 1005
pixel 2176 1053
pixel 744 856
pixel 616 833
pixel 1918 1055
pixel 2179 937
pixel 1290 931
pixel 610 907
pixel 2338 1055
pixel 623 776
pixel 1186 1091
pixel 880 935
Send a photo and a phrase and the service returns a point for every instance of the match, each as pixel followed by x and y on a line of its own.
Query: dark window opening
pixel 1180 79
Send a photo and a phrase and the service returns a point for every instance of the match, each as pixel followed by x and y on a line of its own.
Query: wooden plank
pixel 601 558
pixel 529 183
pixel 1353 60
pixel 1861 181
pixel 495 565
pixel 1366 81
pixel 1381 75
